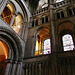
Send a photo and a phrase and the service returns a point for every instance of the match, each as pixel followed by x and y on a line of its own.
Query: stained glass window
pixel 67 42
pixel 47 46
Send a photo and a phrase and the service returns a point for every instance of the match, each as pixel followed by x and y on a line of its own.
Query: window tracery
pixel 8 14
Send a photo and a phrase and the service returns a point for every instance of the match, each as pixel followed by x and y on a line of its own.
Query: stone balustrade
pixel 48 64
pixel 40 11
pixel 62 3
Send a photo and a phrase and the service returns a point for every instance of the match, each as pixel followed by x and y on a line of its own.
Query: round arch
pixel 15 48
pixel 41 34
pixel 8 13
pixel 64 28
pixel 66 25
pixel 12 5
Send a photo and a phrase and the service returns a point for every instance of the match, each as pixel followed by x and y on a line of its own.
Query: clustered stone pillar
pixel 19 68
pixel 8 66
pixel 13 67
pixel 53 40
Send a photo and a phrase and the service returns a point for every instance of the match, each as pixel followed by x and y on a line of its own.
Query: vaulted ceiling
pixel 33 4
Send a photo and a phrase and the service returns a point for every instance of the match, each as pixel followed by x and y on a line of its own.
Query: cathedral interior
pixel 37 37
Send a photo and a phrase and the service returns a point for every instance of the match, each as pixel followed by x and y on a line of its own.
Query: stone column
pixel 30 69
pixel 26 69
pixel 36 71
pixel 8 67
pixel 65 13
pixel 40 69
pixel 34 22
pixel 25 31
pixel 21 30
pixel 40 19
pixel 33 69
pixel 53 40
pixel 14 65
pixel 19 68
pixel 33 45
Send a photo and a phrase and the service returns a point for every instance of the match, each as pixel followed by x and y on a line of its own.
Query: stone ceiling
pixel 33 4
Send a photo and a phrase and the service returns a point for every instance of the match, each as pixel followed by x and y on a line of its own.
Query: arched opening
pixel 7 13
pixel 17 23
pixel 32 23
pixel 46 18
pixel 62 14
pixel 58 15
pixel 67 42
pixel 70 12
pixel 36 22
pixel 3 51
pixel 42 20
pixel 43 45
pixel 7 16
pixel 65 30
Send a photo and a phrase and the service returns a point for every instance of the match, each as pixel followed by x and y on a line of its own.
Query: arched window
pixel 67 42
pixel 62 14
pixel 43 45
pixel 36 22
pixel 47 46
pixel 70 12
pixel 42 20
pixel 17 23
pixel 32 23
pixel 8 14
pixel 46 19
pixel 58 15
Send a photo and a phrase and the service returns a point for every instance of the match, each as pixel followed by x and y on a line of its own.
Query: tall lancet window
pixel 67 42
pixel 47 46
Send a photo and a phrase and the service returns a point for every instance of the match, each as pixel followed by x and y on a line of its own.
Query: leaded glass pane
pixel 47 46
pixel 67 42
pixel 68 48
